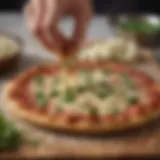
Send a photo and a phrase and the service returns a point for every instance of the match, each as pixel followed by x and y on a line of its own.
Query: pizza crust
pixel 88 127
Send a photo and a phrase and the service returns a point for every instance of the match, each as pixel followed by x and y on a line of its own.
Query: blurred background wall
pixel 101 6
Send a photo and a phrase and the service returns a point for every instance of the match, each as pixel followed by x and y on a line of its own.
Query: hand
pixel 43 16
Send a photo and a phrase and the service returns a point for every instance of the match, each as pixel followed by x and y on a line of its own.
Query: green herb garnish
pixel 115 111
pixel 39 80
pixel 69 95
pixel 108 89
pixel 88 77
pixel 127 81
pixel 54 93
pixel 10 137
pixel 140 26
pixel 101 94
pixel 41 99
pixel 132 100
pixel 104 90
pixel 81 89
pixel 93 111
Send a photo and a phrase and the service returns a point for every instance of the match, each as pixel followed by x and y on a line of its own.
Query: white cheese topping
pixel 8 47
pixel 118 49
pixel 105 92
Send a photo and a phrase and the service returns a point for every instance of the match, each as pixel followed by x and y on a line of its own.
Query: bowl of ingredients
pixel 10 51
pixel 143 29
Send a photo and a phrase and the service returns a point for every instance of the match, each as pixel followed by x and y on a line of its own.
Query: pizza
pixel 92 98
pixel 117 49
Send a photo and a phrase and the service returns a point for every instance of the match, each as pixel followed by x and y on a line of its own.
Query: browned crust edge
pixel 13 107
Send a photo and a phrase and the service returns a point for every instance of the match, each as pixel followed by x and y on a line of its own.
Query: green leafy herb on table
pixel 10 137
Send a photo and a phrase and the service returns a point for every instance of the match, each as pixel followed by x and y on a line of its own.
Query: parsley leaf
pixel 39 80
pixel 41 99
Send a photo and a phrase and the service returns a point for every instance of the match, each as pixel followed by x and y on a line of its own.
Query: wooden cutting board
pixel 144 141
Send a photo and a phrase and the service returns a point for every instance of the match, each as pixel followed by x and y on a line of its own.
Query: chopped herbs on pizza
pixel 90 92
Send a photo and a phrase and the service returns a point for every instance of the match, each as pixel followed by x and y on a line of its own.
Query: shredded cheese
pixel 116 49
pixel 106 93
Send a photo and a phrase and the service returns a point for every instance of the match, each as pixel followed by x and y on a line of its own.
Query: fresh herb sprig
pixel 10 137
pixel 142 26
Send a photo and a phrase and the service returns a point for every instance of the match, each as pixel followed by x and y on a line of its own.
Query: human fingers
pixel 50 25
pixel 34 14
pixel 82 17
